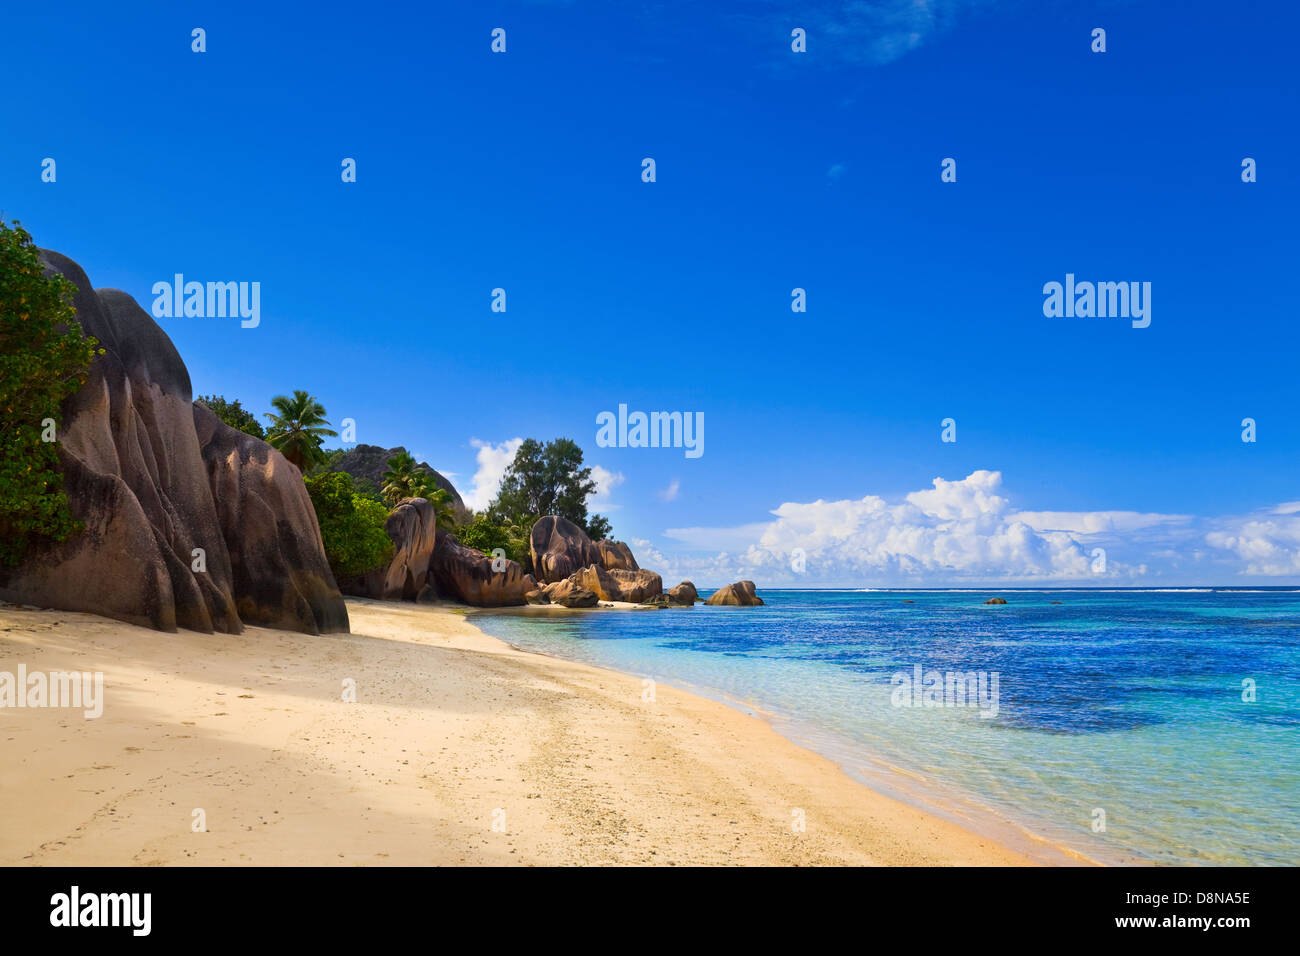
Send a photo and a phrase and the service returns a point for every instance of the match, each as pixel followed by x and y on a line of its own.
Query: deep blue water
pixel 1122 703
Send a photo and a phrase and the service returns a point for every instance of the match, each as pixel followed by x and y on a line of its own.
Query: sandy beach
pixel 458 749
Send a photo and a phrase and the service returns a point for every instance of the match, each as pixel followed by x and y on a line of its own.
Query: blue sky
pixel 775 170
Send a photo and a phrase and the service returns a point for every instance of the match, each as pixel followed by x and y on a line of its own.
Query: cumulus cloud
pixel 951 532
pixel 967 531
pixel 493 460
pixel 1269 544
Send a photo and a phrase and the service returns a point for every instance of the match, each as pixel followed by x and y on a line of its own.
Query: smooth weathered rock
pixel 282 578
pixel 740 594
pixel 619 585
pixel 154 549
pixel 537 596
pixel 559 548
pixel 134 474
pixel 570 593
pixel 615 556
pixel 465 574
pixel 683 593
pixel 412 526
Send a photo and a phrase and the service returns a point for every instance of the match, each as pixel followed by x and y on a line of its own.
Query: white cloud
pixel 1097 522
pixel 968 532
pixel 606 481
pixel 493 460
pixel 1268 544
pixel 670 493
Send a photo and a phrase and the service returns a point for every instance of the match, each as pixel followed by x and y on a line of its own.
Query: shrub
pixel 351 525
pixel 44 358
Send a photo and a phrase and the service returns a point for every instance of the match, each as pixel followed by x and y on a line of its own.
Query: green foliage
pixel 485 534
pixel 548 479
pixel 44 358
pixel 329 460
pixel 407 479
pixel 598 527
pixel 233 414
pixel 444 509
pixel 400 478
pixel 351 526
pixel 297 428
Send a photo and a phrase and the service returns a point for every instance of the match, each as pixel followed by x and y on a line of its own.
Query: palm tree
pixel 297 427
pixel 400 478
pixel 443 509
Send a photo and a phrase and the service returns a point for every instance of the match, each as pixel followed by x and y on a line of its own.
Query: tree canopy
pixel 548 478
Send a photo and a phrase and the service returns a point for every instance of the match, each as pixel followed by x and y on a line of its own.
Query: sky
pixel 1088 451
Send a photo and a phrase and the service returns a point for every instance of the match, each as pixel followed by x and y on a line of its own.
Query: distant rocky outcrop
pixel 740 594
pixel 369 462
pixel 465 574
pixel 187 523
pixel 996 601
pixel 683 593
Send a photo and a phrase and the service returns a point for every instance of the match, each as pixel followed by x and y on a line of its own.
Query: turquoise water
pixel 1124 702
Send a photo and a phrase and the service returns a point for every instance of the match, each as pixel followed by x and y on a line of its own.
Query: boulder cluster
pixel 189 523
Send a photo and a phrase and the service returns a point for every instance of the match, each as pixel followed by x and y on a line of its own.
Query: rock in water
pixel 282 578
pixel 740 594
pixel 136 474
pixel 465 574
pixel 618 585
pixel 570 593
pixel 683 593
pixel 996 601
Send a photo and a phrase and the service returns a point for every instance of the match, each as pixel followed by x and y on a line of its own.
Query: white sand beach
pixel 458 750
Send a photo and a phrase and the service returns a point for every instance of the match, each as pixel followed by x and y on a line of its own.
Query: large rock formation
pixel 559 548
pixel 740 594
pixel 413 527
pixel 367 463
pixel 619 585
pixel 281 576
pixel 683 593
pixel 464 574
pixel 615 556
pixel 569 593
pixel 176 534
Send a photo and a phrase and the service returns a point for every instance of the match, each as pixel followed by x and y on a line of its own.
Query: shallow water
pixel 1124 702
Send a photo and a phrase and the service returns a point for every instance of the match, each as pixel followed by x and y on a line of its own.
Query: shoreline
pixel 858 763
pixel 459 749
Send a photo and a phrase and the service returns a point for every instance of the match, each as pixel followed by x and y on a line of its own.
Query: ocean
pixel 1123 726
